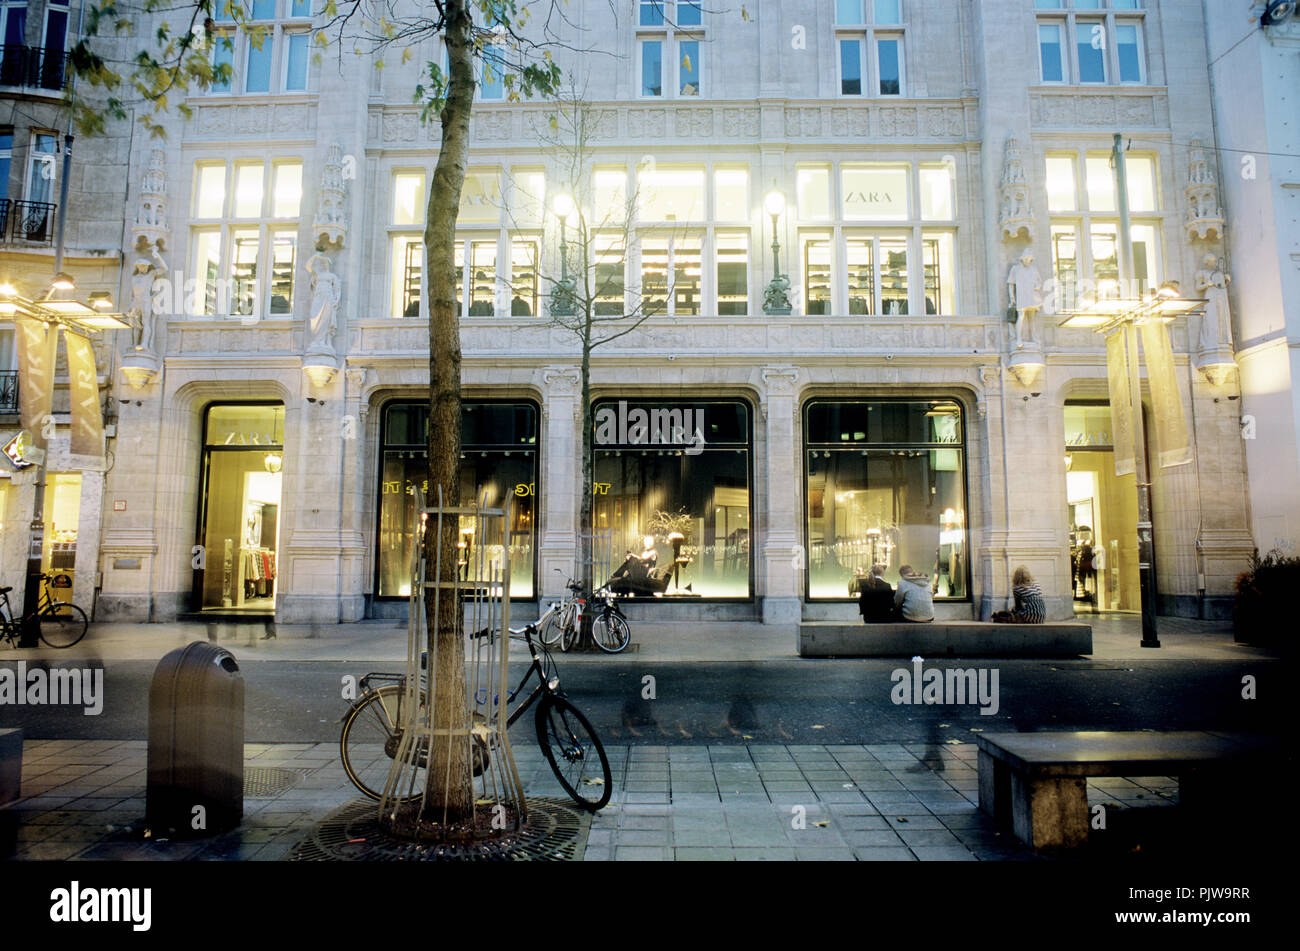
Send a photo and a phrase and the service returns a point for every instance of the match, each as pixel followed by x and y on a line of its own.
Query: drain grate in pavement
pixel 262 782
pixel 552 833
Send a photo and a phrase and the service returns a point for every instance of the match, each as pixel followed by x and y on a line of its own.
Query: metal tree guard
pixel 482 590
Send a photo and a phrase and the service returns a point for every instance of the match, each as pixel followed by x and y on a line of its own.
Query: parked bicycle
pixel 561 624
pixel 371 734
pixel 609 627
pixel 62 623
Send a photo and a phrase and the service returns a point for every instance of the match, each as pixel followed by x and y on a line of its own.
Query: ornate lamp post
pixel 562 304
pixel 776 297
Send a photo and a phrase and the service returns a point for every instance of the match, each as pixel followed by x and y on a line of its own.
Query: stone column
pixel 560 482
pixel 89 520
pixel 781 569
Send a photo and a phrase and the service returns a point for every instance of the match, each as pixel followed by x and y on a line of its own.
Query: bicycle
pixel 62 623
pixel 561 625
pixel 609 627
pixel 371 736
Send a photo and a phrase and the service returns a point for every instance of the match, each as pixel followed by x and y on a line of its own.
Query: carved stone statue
pixel 326 291
pixel 776 296
pixel 1216 325
pixel 1024 284
pixel 141 309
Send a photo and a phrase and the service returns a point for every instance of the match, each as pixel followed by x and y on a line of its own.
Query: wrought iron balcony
pixel 8 391
pixel 27 221
pixel 33 67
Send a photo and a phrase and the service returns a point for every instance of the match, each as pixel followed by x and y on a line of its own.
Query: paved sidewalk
pixel 1115 637
pixel 86 800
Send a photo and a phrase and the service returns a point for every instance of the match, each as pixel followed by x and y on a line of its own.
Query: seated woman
pixel 635 576
pixel 1030 608
pixel 876 597
pixel 913 598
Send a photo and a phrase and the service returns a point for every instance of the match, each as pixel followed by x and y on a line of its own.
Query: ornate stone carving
pixel 1204 216
pixel 141 310
pixel 898 121
pixel 694 122
pixel 562 381
pixel 326 292
pixel 780 381
pixel 1024 285
pixel 330 226
pixel 400 126
pixel 740 122
pixel 1214 348
pixel 357 377
pixel 150 230
pixel 1015 214
pixel 496 125
pixel 646 122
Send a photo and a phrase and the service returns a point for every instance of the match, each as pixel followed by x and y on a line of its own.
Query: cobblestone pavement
pixel 86 800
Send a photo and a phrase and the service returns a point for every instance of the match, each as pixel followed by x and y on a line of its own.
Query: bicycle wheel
pixel 63 625
pixel 370 738
pixel 551 629
pixel 574 752
pixel 610 632
pixel 571 633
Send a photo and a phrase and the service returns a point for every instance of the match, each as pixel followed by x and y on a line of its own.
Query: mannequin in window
pixel 636 576
pixel 519 307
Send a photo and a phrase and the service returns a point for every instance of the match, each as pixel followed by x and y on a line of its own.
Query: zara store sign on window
pixel 877 194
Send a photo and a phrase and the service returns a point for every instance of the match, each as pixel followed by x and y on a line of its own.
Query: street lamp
pixel 776 298
pixel 82 319
pixel 562 296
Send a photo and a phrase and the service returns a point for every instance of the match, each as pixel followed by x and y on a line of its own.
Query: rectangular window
pixel 286 194
pixel 523 278
pixel 1065 267
pixel 1090 44
pixel 257 67
pixel 1145 261
pixel 223 54
pixel 283 249
pixel 940 272
pixel 654 276
pixel 888 11
pixel 480 198
pixel 851 67
pixel 936 193
pixel 889 62
pixel 671 194
pixel 693 505
pixel 295 70
pixel 878 193
pixel 817 277
pixel 860 257
pixel 407 266
pixel 813 193
pixel 248 190
pixel 244 247
pixel 652 13
pixel 1140 173
pixel 300 8
pixel 731 194
pixel 686 276
pixel 733 275
pixel 690 13
pixel 652 61
pixel 207 267
pixel 1101 183
pixel 607 282
pixel 885 486
pixel 483 278
pixel 848 12
pixel 210 191
pixel 688 55
pixel 408 198
pixel 1060 183
pixel 610 196
pixel 42 172
pixel 263 10
pixel 1128 51
pixel 6 159
pixel 459 302
pixel 492 64
pixel 1051 66
pixel 527 196
pixel 1103 244
pixel 893 276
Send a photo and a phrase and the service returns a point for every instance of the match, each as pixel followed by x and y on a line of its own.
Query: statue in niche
pixel 1216 324
pixel 141 310
pixel 326 291
pixel 1024 284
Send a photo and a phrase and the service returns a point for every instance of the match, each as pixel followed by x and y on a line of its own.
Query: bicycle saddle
pixel 5 590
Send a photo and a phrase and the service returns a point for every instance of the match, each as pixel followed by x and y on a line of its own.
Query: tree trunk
pixel 450 784
pixel 586 542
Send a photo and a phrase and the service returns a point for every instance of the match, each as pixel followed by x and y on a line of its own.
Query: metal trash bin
pixel 196 743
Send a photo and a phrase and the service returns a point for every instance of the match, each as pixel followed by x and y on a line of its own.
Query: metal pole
pixel 776 252
pixel 63 204
pixel 1146 552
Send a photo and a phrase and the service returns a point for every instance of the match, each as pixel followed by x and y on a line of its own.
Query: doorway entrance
pixel 239 511
pixel 1101 512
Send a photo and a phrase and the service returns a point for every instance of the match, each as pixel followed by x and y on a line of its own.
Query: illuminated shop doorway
pixel 1101 512
pixel 62 512
pixel 239 527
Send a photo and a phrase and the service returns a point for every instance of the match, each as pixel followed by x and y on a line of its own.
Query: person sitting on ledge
pixel 876 597
pixel 1030 608
pixel 913 598
pixel 635 576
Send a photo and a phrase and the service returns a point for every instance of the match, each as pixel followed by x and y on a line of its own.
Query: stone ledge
pixel 943 639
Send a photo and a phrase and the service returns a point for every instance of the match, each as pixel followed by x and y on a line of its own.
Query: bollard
pixel 196 743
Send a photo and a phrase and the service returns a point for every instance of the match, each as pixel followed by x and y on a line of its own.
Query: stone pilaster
pixel 783 559
pixel 561 482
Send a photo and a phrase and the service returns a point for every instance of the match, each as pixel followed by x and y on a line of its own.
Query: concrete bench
pixel 1036 783
pixel 943 639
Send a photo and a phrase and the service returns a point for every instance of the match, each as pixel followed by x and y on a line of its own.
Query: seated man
pixel 876 597
pixel 913 597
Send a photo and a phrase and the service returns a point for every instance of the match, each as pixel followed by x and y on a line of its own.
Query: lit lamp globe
pixel 562 205
pixel 774 203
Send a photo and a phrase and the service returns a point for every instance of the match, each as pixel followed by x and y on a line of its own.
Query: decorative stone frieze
pixel 330 226
pixel 1204 216
pixel 1015 212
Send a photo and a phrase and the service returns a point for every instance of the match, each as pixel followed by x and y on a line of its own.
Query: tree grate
pixel 264 782
pixel 552 833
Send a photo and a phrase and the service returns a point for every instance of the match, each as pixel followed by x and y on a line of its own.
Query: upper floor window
pixel 670 48
pixel 1091 41
pixel 870 51
pixel 244 237
pixel 271 56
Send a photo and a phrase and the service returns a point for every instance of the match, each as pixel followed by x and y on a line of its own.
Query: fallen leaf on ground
pixel 745 736
pixel 821 825
pixel 818 726
pixel 953 742
pixel 976 729
pixel 901 818
pixel 594 782
pixel 942 725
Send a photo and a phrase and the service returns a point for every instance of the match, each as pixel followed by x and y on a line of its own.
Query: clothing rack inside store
pixel 257 570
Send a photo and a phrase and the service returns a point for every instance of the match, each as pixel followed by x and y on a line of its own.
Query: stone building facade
pixel 267 440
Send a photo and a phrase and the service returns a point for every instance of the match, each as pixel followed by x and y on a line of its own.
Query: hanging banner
pixel 36 351
pixel 1166 404
pixel 1121 406
pixel 87 418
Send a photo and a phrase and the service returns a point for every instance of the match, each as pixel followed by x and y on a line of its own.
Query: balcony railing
pixel 9 391
pixel 28 221
pixel 33 67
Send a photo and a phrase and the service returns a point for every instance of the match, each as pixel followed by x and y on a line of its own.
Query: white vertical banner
pixel 1166 403
pixel 87 441
pixel 37 343
pixel 1121 407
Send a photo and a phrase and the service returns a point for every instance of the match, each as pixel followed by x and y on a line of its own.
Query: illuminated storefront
pixel 886 484
pixel 498 460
